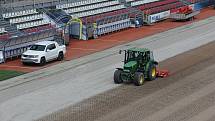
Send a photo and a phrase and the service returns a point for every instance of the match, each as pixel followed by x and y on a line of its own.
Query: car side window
pixel 51 47
pixel 48 47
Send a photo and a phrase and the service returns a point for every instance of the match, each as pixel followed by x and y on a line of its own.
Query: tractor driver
pixel 140 57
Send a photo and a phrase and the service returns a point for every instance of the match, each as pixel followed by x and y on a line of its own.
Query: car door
pixel 55 51
pixel 49 52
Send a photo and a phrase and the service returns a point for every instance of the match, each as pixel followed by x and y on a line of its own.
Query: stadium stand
pixel 22 28
pixel 158 6
pixel 57 15
pixel 28 22
pixel 14 47
pixel 114 23
pixel 8 28
pixel 26 19
pixel 90 7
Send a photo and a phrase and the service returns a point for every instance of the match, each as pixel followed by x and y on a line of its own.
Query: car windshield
pixel 38 47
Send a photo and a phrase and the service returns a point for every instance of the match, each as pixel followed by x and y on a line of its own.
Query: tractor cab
pixel 139 65
pixel 140 55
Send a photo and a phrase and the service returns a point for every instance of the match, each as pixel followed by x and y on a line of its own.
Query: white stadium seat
pixel 2 30
pixel 19 13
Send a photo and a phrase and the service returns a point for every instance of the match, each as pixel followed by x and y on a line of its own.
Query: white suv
pixel 43 52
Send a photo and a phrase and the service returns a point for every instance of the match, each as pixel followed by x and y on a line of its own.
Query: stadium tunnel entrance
pixel 68 26
pixel 75 27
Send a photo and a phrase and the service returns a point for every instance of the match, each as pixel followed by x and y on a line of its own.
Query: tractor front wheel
pixel 138 79
pixel 117 77
pixel 151 72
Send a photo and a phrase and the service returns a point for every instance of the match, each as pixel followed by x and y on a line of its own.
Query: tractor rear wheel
pixel 138 79
pixel 151 72
pixel 117 77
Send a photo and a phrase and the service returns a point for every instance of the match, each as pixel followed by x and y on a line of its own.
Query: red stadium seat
pixel 4 36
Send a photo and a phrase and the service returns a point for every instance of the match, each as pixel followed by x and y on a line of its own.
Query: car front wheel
pixel 42 61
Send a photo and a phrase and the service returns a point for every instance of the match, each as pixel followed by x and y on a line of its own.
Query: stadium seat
pixel 19 13
pixel 4 36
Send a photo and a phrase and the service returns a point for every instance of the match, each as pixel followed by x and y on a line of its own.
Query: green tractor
pixel 139 65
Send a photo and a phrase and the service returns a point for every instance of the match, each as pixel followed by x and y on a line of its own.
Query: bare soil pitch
pixel 184 96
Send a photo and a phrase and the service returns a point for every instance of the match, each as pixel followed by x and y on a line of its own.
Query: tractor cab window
pixel 139 56
pixel 130 56
pixel 147 56
pixel 151 56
